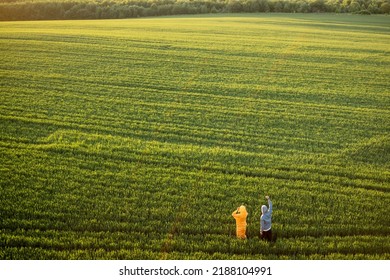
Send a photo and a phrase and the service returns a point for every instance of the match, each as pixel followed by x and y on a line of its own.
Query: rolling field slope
pixel 136 139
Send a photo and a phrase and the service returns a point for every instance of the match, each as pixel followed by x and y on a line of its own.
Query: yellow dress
pixel 240 217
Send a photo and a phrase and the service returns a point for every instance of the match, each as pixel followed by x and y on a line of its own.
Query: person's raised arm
pixel 236 212
pixel 269 204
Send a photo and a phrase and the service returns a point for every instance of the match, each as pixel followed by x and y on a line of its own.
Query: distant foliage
pixel 103 9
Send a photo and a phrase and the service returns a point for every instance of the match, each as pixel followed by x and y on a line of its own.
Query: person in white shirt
pixel 265 221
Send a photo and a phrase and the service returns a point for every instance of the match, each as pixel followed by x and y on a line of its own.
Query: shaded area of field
pixel 136 139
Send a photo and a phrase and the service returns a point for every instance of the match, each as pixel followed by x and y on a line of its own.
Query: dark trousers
pixel 267 235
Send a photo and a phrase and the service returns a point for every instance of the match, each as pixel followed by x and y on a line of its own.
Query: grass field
pixel 136 139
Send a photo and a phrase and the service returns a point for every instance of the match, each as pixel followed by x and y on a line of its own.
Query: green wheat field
pixel 137 139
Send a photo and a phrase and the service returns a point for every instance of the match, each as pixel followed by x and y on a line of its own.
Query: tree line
pixel 105 9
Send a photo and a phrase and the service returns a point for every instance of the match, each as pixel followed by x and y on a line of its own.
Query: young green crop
pixel 136 139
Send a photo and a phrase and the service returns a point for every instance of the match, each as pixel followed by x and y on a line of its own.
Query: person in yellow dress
pixel 240 216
